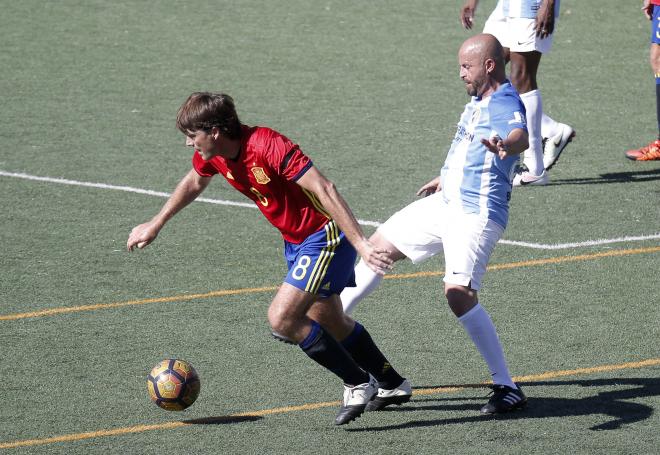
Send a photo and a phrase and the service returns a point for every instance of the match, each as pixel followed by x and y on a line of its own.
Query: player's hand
pixel 648 9
pixel 545 20
pixel 428 189
pixel 142 235
pixel 496 145
pixel 467 14
pixel 378 259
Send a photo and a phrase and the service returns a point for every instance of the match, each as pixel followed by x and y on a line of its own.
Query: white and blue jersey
pixel 472 177
pixel 522 8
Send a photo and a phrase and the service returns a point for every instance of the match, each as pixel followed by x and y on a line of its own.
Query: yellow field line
pixel 535 262
pixel 105 306
pixel 312 406
pixel 184 297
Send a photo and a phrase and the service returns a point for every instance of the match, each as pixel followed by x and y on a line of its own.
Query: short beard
pixel 472 89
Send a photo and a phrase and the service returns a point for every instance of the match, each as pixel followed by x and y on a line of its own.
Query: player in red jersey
pixel 260 173
pixel 651 152
pixel 320 233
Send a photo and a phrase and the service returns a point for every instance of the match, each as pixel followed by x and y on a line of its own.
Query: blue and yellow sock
pixel 364 351
pixel 327 352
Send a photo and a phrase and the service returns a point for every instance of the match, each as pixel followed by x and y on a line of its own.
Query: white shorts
pixel 516 33
pixel 427 226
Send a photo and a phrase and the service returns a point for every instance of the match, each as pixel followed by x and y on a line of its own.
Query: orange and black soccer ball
pixel 173 384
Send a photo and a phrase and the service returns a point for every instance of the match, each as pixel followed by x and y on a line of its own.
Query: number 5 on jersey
pixel 263 199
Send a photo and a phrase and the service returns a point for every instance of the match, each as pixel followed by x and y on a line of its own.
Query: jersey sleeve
pixel 285 157
pixel 507 113
pixel 203 168
pixel 295 165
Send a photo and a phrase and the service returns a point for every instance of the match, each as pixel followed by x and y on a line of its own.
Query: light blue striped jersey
pixel 472 176
pixel 522 8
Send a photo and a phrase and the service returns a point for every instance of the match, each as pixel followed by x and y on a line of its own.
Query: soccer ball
pixel 173 384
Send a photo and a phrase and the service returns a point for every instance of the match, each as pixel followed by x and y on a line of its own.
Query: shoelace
pixel 495 389
pixel 653 153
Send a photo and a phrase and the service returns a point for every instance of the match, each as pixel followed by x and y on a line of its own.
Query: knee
pixel 461 299
pixel 523 71
pixel 280 322
pixel 522 80
pixel 456 293
pixel 379 241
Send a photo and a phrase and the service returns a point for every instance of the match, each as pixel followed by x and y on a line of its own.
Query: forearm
pixel 186 191
pixel 516 142
pixel 339 210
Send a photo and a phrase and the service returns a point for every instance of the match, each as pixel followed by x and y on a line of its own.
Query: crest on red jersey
pixel 260 175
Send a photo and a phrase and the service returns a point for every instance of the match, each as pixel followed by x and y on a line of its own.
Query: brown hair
pixel 205 110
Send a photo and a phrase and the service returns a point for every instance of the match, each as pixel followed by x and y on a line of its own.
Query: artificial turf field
pixel 370 90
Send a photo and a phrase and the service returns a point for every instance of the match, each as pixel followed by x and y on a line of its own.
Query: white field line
pixel 105 186
pixel 559 246
pixel 131 189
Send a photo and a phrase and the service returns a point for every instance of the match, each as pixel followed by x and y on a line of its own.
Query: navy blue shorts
pixel 323 263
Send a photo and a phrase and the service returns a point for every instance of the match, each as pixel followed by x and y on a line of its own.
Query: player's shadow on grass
pixel 612 177
pixel 608 403
pixel 221 420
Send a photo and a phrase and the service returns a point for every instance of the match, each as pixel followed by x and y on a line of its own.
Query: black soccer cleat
pixel 395 396
pixel 355 401
pixel 504 399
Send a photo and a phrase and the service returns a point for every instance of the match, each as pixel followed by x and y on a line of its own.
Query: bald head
pixel 486 46
pixel 481 59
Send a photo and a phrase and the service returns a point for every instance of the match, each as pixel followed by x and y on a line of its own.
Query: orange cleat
pixel 650 152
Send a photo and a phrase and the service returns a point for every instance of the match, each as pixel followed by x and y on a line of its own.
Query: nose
pixel 189 142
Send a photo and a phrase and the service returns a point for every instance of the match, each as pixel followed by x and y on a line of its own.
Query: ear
pixel 490 65
pixel 215 133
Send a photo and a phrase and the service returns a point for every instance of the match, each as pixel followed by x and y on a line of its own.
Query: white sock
pixel 366 281
pixel 549 126
pixel 533 157
pixel 479 326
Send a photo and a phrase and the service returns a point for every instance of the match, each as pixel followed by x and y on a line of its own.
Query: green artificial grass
pixel 371 92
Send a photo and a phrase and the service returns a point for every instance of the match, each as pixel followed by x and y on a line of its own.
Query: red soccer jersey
pixel 266 171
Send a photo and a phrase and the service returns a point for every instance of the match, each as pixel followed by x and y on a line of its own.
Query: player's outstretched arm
pixel 376 258
pixel 515 143
pixel 431 187
pixel 647 8
pixel 185 192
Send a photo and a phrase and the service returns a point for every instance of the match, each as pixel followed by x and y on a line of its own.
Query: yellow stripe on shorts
pixel 323 262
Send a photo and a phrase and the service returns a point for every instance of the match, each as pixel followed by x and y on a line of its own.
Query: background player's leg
pixel 651 152
pixel 655 64
pixel 556 136
pixel 524 66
